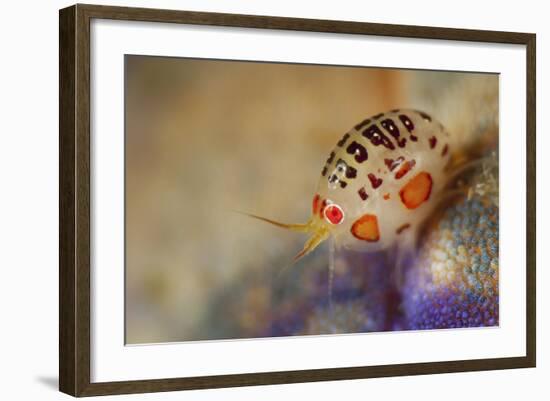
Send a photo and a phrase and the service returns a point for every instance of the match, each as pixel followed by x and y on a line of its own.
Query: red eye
pixel 334 214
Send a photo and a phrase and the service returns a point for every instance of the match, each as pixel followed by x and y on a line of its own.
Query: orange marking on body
pixel 417 190
pixel 404 169
pixel 315 205
pixel 387 196
pixel 366 228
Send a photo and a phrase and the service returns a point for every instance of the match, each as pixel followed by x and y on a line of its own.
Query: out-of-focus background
pixel 208 138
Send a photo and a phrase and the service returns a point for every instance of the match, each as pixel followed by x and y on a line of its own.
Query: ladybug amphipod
pixel 382 180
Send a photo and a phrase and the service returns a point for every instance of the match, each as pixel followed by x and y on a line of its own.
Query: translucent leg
pixel 331 253
pixel 399 268
pixel 402 255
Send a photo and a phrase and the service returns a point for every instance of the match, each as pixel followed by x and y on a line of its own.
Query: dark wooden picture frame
pixel 74 203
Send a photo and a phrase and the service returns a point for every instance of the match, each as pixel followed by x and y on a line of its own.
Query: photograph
pixel 267 199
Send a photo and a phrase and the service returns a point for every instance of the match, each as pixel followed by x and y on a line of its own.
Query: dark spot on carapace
pixel 343 184
pixel 359 151
pixel 395 111
pixel 362 193
pixel 375 181
pixel 350 171
pixel 362 124
pixel 327 163
pixel 402 228
pixel 389 126
pixel 333 178
pixel 404 169
pixel 433 142
pixel 391 164
pixel 377 137
pixel 342 141
pixel 445 150
pixel 387 196
pixel 424 116
pixel 376 117
pixel 406 122
pixel 413 138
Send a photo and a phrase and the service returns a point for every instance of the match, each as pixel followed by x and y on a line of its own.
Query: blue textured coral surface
pixel 359 300
pixel 454 282
pixel 451 283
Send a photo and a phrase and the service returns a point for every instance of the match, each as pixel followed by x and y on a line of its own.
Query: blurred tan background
pixel 206 138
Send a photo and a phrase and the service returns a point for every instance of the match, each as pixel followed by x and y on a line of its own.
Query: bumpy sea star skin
pixel 454 282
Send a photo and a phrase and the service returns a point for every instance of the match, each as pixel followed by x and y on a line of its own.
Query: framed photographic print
pixel 251 200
